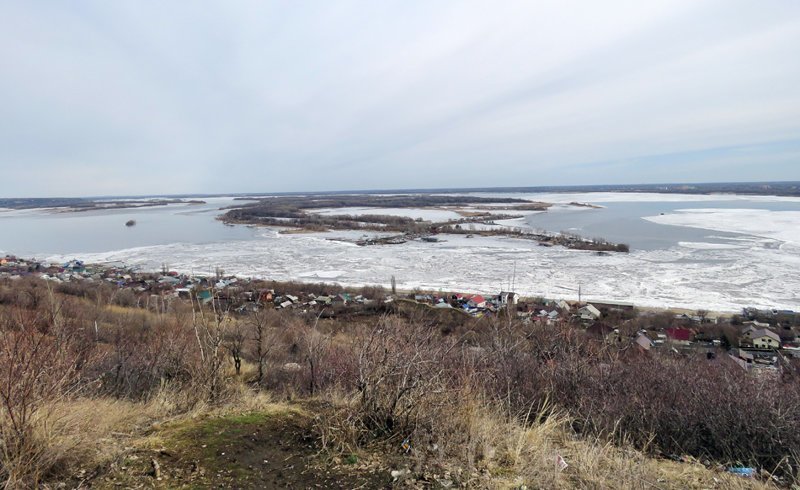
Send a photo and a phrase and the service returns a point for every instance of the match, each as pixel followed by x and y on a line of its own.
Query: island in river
pixel 467 215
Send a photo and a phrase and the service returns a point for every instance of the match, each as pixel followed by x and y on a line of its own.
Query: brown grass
pixel 481 447
pixel 70 436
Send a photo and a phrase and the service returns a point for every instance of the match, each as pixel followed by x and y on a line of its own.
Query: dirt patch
pixel 252 450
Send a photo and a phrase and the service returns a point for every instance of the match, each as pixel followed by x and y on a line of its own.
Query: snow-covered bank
pixel 753 273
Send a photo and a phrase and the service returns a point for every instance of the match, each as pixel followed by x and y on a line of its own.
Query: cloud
pixel 139 97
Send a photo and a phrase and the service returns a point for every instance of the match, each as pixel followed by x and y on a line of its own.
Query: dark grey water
pixel 36 233
pixel 623 222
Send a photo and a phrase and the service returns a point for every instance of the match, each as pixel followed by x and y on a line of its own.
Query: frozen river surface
pixel 711 252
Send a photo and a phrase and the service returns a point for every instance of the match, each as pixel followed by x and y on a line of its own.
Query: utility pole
pixel 514 278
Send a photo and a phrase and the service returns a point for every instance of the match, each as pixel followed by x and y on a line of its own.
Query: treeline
pixel 319 222
pixel 293 207
pixel 564 239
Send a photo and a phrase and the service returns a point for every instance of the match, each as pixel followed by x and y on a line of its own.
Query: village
pixel 760 341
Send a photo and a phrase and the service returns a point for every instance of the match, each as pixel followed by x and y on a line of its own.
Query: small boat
pixel 130 222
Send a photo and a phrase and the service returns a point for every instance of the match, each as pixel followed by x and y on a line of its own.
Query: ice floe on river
pixel 753 272
pixel 778 225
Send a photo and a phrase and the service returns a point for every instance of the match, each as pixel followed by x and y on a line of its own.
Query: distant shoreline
pixel 779 189
pixel 80 204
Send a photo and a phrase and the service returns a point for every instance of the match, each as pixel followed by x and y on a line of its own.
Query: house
pixel 477 301
pixel 688 318
pixel 615 305
pixel 741 357
pixel 680 335
pixel 507 298
pixel 757 324
pixel 204 296
pixel 742 354
pixel 563 305
pixel 763 338
pixel 589 312
pixel 171 280
pixel 643 341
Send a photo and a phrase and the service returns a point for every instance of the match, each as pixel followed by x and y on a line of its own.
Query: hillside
pixel 97 391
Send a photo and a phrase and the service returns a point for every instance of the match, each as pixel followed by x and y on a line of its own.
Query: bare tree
pixel 236 343
pixel 210 328
pixel 262 337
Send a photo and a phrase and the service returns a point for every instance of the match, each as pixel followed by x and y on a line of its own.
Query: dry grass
pixel 516 454
pixel 491 450
pixel 481 447
pixel 70 436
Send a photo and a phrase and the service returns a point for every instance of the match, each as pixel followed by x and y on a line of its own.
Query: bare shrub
pixel 211 326
pixel 658 403
pixel 403 376
pixel 42 363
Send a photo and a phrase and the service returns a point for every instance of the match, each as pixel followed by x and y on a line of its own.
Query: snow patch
pixel 777 225
pixel 708 246
pixel 413 213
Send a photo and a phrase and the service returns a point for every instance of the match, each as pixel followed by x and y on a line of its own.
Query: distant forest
pixel 746 188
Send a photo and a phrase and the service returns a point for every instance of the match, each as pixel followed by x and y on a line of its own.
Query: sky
pixel 136 97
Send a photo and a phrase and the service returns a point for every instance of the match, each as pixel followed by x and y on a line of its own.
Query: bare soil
pixel 253 450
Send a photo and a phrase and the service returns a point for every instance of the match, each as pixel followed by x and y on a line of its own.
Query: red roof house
pixel 680 334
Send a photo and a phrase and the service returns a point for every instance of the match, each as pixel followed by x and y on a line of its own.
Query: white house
pixel 766 339
pixel 508 298
pixel 761 338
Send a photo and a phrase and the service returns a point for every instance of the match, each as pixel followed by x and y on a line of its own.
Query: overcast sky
pixel 138 97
